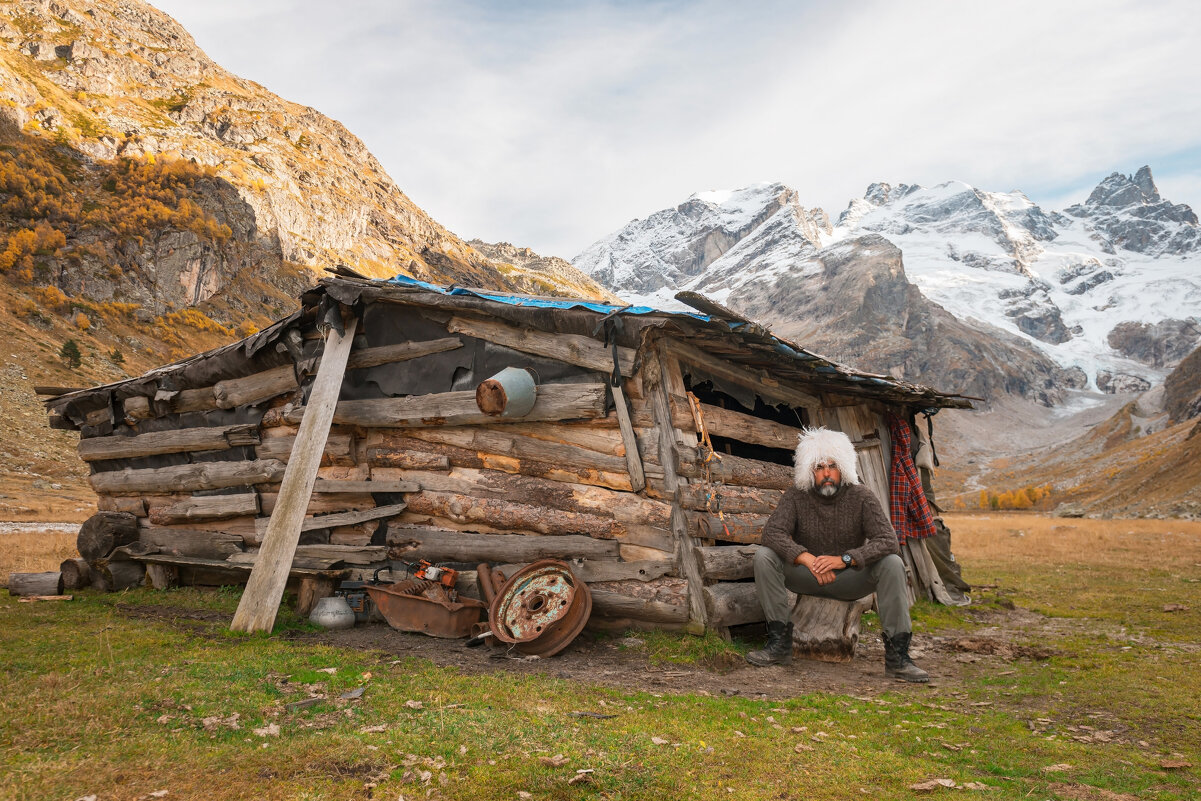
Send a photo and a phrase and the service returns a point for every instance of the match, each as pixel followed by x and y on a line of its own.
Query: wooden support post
pixel 260 601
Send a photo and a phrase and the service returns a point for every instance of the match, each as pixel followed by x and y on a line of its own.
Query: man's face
pixel 827 477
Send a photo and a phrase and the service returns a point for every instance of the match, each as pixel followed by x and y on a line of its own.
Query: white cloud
pixel 551 125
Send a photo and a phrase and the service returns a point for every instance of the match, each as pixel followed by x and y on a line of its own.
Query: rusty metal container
pixel 406 612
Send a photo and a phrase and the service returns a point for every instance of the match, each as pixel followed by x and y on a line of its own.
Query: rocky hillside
pixel 107 96
pixel 1103 296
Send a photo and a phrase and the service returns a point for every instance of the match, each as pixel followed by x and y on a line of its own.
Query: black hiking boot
pixel 897 663
pixel 778 650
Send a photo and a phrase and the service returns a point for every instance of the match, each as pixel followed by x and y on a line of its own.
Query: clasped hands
pixel 823 568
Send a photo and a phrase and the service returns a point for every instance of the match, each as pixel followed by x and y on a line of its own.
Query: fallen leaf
pixel 801 747
pixel 1175 608
pixel 659 741
pixel 373 729
pixel 974 786
pixel 270 730
pixel 367 676
pixel 87 798
pixel 351 695
pixel 330 671
pixel 414 705
pixel 524 794
pixel 159 794
pixel 1057 768
pixel 557 761
pixel 1175 764
pixel 738 733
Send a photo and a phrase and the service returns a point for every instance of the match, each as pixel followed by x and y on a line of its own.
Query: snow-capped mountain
pixel 1105 294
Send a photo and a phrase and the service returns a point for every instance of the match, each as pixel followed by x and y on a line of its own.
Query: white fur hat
pixel 819 445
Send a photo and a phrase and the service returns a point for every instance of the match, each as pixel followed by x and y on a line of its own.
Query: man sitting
pixel 830 537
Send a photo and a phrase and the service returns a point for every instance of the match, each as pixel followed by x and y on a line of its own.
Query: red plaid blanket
pixel 911 516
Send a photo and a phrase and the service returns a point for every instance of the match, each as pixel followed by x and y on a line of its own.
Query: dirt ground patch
pixel 623 662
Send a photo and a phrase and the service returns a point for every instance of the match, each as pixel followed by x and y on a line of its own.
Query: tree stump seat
pixel 826 629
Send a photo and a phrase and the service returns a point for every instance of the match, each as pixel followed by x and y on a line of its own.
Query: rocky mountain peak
pixel 1127 211
pixel 1124 190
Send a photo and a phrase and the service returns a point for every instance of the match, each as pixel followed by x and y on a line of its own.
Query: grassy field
pixel 103 698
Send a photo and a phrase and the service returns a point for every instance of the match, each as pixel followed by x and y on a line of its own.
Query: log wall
pixel 665 538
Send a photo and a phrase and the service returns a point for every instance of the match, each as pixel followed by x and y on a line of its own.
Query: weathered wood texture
pixel 536 518
pixel 104 531
pixel 728 562
pixel 340 518
pixel 581 351
pixel 161 577
pixel 733 603
pixel 735 470
pixel 339 449
pixel 260 602
pixel 49 583
pixel 629 440
pixel 826 629
pixel 206 507
pixel 175 541
pixel 730 498
pixel 438 545
pixel 117 503
pixel 524 455
pixel 554 402
pixel 730 424
pixel 121 575
pixel 613 604
pixel 332 487
pixel 188 477
pixel 181 440
pixel 759 381
pixel 76 574
pixel 407 460
pixel 731 528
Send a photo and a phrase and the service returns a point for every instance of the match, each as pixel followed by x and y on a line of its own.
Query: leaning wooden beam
pixel 188 477
pixel 206 507
pixel 336 519
pixel 581 351
pixel 456 546
pixel 179 440
pixel 554 402
pixel 759 381
pixel 630 440
pixel 260 602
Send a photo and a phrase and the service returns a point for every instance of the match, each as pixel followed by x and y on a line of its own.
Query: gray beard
pixel 827 489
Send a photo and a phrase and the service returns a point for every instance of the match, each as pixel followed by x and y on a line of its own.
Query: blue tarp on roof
pixel 518 300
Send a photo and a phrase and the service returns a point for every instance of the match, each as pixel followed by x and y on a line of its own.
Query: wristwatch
pixel 847 561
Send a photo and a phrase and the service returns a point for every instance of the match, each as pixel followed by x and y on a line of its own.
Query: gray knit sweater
pixel 851 521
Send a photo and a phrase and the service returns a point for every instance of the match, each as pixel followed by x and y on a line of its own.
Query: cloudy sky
pixel 551 124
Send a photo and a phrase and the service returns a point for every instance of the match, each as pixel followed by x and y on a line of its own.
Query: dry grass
pixel 34 552
pixel 1006 537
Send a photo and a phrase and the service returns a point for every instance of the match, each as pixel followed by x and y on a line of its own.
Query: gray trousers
pixel 886 578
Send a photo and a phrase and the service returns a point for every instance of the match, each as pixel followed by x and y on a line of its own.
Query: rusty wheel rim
pixel 541 609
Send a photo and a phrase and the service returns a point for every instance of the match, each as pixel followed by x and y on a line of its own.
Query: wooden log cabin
pixel 656 446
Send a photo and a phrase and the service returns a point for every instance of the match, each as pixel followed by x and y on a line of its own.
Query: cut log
pixel 407 460
pixel 436 545
pixel 730 424
pixel 176 541
pixel 322 504
pixel 181 440
pixel 351 555
pixel 387 354
pixel 733 603
pixel 581 351
pixel 826 629
pixel 339 449
pixel 161 577
pixel 340 518
pixel 255 388
pixel 502 514
pixel 206 507
pixel 580 471
pixel 188 477
pixel 561 495
pixel 122 575
pixel 76 574
pixel 328 486
pixel 730 498
pixel 612 604
pixel 260 602
pixel 555 402
pixel 728 562
pixel 104 531
pixel 736 470
pixel 50 583
pixel 730 528
pixel 188 400
pixel 116 503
